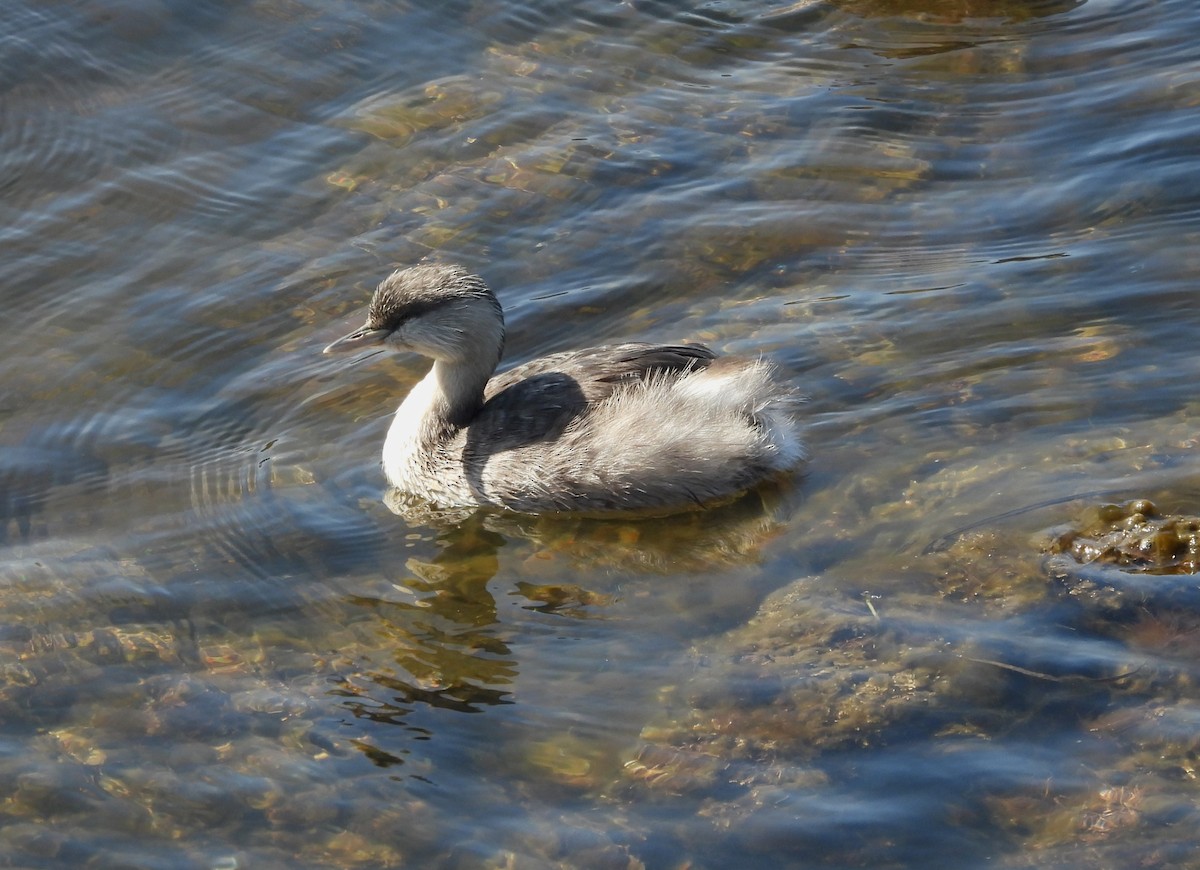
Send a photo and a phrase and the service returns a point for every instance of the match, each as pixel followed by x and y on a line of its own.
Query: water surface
pixel 970 231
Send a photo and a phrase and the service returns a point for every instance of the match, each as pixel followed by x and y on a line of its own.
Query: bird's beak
pixel 362 337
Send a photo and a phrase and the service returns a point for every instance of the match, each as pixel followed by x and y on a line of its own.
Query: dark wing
pixel 600 370
pixel 537 400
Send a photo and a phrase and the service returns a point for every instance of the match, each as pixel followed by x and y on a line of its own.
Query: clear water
pixel 969 229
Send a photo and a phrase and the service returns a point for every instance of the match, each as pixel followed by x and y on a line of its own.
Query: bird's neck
pixel 455 390
pixel 443 402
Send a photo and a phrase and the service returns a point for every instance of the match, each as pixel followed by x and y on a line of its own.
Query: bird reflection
pixel 444 643
pixel 729 534
pixel 439 640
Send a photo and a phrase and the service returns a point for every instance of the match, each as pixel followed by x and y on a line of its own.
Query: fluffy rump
pixel 672 439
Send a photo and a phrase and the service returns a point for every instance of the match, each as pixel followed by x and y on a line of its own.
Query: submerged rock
pixel 1127 564
pixel 1135 538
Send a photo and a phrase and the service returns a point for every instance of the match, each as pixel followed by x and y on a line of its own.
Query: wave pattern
pixel 969 228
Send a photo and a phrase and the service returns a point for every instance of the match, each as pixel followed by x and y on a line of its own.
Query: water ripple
pixel 967 228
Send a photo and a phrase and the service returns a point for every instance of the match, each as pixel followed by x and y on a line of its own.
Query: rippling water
pixel 969 228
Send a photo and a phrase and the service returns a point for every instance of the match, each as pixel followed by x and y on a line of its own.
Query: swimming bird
pixel 622 427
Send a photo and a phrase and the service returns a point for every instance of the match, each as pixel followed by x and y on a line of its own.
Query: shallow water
pixel 969 229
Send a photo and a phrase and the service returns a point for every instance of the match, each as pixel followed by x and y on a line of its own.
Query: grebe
pixel 625 427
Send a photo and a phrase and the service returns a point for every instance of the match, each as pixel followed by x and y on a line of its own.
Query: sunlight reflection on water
pixel 967 229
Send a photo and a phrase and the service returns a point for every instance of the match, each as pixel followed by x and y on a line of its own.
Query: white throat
pixel 437 407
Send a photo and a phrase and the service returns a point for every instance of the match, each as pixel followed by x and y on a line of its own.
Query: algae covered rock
pixel 1127 561
pixel 1136 538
